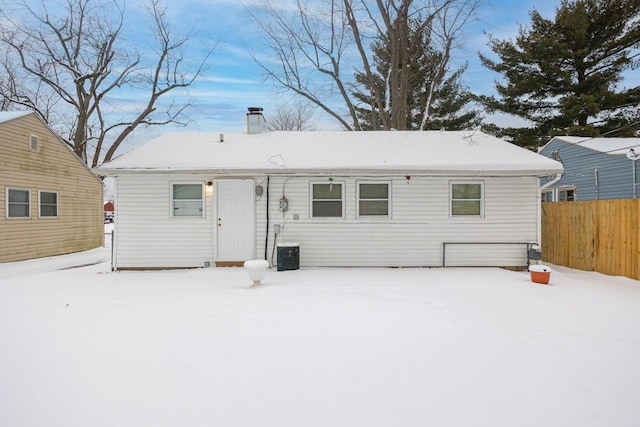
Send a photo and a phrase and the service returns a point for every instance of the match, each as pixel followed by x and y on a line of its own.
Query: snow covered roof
pixel 5 116
pixel 617 146
pixel 435 152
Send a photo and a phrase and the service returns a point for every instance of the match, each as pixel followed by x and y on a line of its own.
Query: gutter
pixel 325 171
pixel 555 156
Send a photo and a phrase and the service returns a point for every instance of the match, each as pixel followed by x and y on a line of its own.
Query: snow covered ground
pixel 85 346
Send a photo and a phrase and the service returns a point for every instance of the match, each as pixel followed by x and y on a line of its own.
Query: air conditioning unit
pixel 288 256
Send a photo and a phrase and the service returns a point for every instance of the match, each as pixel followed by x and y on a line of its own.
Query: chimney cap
pixel 255 109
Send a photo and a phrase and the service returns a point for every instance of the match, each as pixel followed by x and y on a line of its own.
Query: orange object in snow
pixel 540 274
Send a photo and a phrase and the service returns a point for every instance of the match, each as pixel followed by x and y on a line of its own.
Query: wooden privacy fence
pixel 596 235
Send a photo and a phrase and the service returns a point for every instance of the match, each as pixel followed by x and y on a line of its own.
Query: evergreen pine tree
pixel 565 75
pixel 429 87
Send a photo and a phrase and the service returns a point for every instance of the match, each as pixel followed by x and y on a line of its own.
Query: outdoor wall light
pixel 209 184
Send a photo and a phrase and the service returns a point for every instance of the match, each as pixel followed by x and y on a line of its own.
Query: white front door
pixel 235 219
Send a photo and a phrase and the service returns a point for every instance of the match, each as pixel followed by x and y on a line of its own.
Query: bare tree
pixel 297 116
pixel 314 46
pixel 18 91
pixel 449 24
pixel 309 47
pixel 79 54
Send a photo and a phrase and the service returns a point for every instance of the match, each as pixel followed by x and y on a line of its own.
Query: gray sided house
pixel 594 168
pixel 394 198
pixel 50 201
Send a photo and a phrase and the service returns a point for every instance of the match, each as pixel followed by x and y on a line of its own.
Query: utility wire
pixel 601 136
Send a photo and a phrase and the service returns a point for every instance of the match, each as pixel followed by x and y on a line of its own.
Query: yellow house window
pixel 48 204
pixel 18 203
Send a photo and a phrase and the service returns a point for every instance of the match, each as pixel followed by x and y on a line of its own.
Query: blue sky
pixel 234 82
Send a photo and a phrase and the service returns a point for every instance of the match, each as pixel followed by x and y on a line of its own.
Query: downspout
pixel 635 187
pixel 595 171
pixel 554 156
pixel 266 239
pixel 114 233
pixel 539 222
pixel 550 183
pixel 633 156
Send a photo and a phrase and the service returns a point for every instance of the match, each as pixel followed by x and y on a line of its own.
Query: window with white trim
pixel 18 203
pixel 48 204
pixel 187 200
pixel 546 196
pixel 373 199
pixel 467 199
pixel 327 200
pixel 567 194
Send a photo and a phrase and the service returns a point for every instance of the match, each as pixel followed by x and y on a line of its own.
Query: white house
pixel 397 198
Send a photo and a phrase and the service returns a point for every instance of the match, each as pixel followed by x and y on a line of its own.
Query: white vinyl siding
pixel 413 236
pixel 48 204
pixel 147 237
pixel 146 234
pixel 18 203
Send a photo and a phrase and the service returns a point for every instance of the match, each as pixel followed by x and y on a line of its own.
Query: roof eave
pixel 328 171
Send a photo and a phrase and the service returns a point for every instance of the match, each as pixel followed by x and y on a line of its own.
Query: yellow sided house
pixel 387 198
pixel 50 201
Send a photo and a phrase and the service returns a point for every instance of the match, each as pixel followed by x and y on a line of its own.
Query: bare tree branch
pixel 309 45
pixel 294 117
pixel 79 53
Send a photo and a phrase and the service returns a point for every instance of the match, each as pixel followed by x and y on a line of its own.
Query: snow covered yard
pixel 315 347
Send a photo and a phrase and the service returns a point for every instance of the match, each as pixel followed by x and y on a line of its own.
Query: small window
pixel 373 199
pixel 466 199
pixel 187 200
pixel 34 143
pixel 18 203
pixel 547 196
pixel 326 200
pixel 567 194
pixel 48 204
